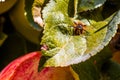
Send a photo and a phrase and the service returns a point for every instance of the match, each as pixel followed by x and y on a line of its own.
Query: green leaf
pixel 55 13
pixel 93 41
pixel 64 48
pixel 95 14
pixel 70 53
pixel 97 40
pixel 112 28
pixel 85 5
pixel 57 36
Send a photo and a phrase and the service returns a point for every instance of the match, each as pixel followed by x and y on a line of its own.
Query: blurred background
pixel 17 37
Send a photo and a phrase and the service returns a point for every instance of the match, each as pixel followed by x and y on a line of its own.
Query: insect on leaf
pixel 57 35
pixel 63 47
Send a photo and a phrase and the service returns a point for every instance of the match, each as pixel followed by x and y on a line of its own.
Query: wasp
pixel 79 27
